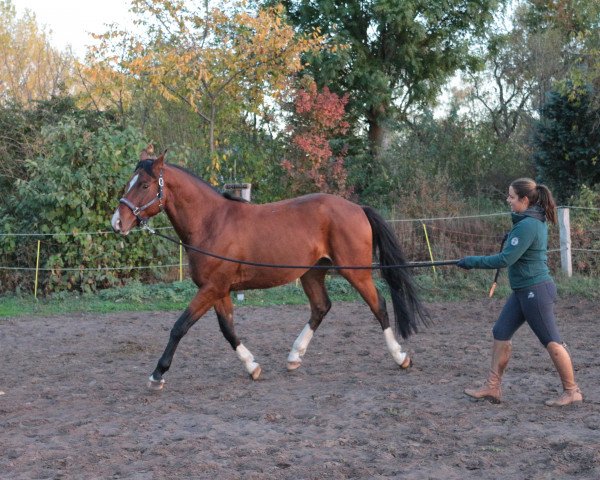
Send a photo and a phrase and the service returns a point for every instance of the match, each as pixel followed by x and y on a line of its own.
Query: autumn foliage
pixel 313 164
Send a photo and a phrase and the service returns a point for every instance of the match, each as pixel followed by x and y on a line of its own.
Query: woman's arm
pixel 519 240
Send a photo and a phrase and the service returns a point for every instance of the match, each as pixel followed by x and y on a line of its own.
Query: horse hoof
pixel 256 373
pixel 156 385
pixel 407 363
pixel 291 366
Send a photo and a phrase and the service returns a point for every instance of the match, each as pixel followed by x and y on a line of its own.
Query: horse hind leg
pixel 395 349
pixel 362 281
pixel 313 283
pixel 224 310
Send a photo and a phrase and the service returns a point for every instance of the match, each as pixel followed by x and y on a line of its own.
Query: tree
pixel 576 23
pixel 527 55
pixel 391 57
pixel 105 83
pixel 30 68
pixel 520 66
pixel 312 165
pixel 567 141
pixel 219 62
pixel 571 17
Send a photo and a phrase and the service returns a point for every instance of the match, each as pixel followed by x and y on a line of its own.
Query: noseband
pixel 138 210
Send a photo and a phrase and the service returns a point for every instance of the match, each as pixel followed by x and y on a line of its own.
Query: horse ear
pixel 159 162
pixel 147 153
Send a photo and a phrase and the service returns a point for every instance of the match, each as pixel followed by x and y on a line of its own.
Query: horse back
pixel 318 221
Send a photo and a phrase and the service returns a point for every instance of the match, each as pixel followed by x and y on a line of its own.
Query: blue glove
pixel 462 263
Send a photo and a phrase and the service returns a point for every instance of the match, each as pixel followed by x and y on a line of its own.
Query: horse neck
pixel 190 203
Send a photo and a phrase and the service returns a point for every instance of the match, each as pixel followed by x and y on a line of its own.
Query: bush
pixel 465 159
pixel 70 192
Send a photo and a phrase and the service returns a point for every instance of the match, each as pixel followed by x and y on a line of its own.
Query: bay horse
pixel 318 230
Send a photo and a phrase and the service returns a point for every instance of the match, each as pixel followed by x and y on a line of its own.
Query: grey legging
pixel 534 305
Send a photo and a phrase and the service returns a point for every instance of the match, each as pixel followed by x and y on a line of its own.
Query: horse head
pixel 144 195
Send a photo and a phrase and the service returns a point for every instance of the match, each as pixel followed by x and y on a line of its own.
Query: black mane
pixel 146 165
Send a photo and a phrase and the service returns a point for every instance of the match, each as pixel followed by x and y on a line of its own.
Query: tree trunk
pixel 376 136
pixel 377 132
pixel 213 114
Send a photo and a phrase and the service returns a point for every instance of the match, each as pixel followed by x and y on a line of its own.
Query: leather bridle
pixel 137 211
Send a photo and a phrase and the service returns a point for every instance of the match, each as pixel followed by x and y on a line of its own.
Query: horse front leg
pixel 224 310
pixel 197 307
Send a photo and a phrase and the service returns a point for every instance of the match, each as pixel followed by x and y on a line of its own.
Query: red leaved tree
pixel 313 165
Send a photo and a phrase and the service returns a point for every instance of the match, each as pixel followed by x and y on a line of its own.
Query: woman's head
pixel 525 192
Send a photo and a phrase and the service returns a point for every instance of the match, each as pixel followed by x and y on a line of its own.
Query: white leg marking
pixel 247 358
pixel 301 344
pixel 393 346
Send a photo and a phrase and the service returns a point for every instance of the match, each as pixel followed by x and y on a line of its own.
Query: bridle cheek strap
pixel 138 210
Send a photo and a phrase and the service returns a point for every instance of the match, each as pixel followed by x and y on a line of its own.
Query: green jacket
pixel 524 253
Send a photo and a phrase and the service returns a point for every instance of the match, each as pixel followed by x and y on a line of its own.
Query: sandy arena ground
pixel 74 402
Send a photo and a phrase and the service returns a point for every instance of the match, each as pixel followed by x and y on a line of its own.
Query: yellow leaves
pixel 215 169
pixel 105 87
pixel 218 61
pixel 219 53
pixel 30 69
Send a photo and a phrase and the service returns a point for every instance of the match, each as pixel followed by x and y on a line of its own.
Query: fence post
pixel 565 241
pixel 180 261
pixel 37 269
pixel 429 248
pixel 239 189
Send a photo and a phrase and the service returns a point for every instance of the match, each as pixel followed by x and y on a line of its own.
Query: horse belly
pixel 278 258
pixel 262 282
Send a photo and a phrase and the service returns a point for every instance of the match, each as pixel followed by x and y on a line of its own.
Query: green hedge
pixel 71 190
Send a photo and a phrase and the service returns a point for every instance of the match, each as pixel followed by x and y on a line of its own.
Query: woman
pixel 534 292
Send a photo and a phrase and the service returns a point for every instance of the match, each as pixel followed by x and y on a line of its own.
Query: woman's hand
pixel 463 263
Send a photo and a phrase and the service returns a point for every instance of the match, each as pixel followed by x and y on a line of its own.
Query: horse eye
pixel 145 186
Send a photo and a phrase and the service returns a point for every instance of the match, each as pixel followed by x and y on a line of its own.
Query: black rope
pixel 314 267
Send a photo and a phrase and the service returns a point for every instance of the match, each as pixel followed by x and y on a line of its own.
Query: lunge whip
pixel 495 284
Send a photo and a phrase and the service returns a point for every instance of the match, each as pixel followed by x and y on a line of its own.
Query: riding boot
pixel 491 390
pixel 562 361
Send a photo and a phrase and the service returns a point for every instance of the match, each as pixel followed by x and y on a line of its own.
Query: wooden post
pixel 565 241
pixel 241 190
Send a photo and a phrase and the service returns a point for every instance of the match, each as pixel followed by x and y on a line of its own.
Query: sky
pixel 70 21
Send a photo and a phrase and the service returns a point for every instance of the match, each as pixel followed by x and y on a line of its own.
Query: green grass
pixel 446 285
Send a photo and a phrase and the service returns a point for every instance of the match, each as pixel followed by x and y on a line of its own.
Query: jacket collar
pixel 534 211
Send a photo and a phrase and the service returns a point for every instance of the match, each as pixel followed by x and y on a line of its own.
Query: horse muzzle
pixel 118 224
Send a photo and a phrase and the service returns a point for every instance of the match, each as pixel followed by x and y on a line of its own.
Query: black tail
pixel 407 306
